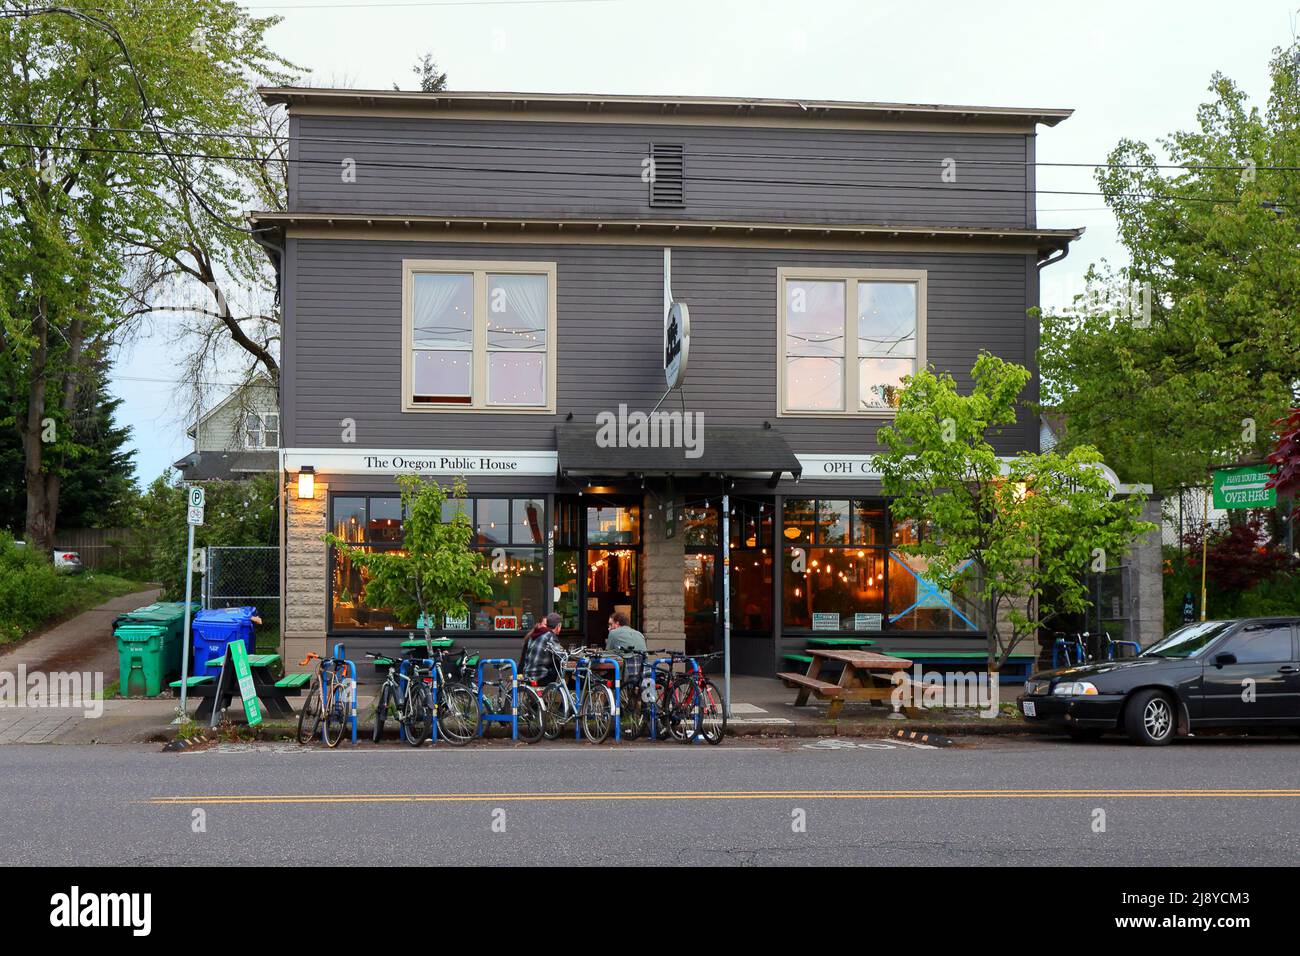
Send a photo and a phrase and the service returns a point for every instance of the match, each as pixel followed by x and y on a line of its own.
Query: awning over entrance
pixel 585 451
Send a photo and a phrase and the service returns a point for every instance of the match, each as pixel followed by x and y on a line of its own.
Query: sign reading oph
pixel 677 343
pixel 1236 488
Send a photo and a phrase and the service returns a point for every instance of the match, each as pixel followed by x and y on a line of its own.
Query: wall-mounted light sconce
pixel 307 482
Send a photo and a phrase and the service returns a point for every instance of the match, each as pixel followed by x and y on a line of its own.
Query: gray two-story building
pixel 623 320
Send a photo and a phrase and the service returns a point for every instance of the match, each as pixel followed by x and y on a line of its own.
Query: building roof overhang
pixel 662 109
pixel 1044 242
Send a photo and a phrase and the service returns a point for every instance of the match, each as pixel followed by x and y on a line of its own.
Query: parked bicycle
pixel 695 705
pixel 406 697
pixel 643 695
pixel 496 700
pixel 328 700
pixel 580 695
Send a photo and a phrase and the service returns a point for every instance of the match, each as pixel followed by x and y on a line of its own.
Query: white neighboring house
pixel 238 437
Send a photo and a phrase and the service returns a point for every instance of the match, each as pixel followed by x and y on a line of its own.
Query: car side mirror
pixel 1222 659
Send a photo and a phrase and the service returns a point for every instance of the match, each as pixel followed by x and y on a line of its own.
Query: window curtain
pixel 526 302
pixel 432 319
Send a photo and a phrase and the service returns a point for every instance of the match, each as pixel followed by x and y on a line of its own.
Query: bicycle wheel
pixel 381 714
pixel 681 708
pixel 554 711
pixel 597 712
pixel 336 712
pixel 632 716
pixel 457 714
pixel 417 715
pixel 530 715
pixel 713 712
pixel 309 716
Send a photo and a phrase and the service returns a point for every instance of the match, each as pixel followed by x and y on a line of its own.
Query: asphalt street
pixel 999 801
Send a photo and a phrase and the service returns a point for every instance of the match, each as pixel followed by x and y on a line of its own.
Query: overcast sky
pixel 1128 69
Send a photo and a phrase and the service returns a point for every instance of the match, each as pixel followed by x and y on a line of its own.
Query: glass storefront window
pixel 493 522
pixel 350 610
pixel 832 521
pixel 918 604
pixel 518 593
pixel 453 506
pixel 609 524
pixel 751 592
pixel 700 526
pixel 528 521
pixel 799 515
pixel 349 519
pixel 385 519
pixel 828 588
pixel 567 593
pixel 869 523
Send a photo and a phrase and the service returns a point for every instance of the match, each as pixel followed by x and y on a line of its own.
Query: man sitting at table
pixel 622 636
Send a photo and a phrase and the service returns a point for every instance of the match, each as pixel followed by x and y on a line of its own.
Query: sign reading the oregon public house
pixel 1244 488
pixel 379 461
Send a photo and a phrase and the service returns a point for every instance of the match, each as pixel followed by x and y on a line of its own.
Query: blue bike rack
pixel 352 669
pixel 1110 648
pixel 1062 646
pixel 513 717
pixel 618 684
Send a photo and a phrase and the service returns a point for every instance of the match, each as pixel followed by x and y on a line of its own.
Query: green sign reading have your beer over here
pixel 1244 488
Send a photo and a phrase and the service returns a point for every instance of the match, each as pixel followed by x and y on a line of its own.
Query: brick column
pixel 663 566
pixel 306 580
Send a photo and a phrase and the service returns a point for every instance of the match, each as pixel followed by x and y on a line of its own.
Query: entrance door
pixel 611 586
pixel 702 530
pixel 703 614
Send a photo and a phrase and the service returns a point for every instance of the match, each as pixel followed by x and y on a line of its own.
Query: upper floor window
pixel 262 430
pixel 478 336
pixel 847 338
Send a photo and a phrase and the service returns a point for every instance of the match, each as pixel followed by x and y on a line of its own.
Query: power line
pixel 732 180
pixel 638 155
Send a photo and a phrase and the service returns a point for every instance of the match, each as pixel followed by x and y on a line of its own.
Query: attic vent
pixel 668 184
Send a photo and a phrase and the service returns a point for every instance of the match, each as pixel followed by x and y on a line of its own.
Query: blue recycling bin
pixel 215 629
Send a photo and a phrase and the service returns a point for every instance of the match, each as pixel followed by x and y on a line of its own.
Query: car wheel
pixel 1084 734
pixel 1150 718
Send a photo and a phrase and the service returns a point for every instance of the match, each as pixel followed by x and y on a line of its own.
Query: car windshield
pixel 1190 640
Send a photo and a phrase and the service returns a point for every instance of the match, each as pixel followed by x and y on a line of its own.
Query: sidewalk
pixel 83 644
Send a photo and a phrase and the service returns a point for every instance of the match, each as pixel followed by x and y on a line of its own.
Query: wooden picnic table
pixel 864 675
pixel 274 693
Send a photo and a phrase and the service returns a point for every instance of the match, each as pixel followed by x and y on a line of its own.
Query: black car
pixel 1243 673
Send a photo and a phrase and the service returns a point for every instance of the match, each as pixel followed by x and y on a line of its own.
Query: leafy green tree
pixel 1029 528
pixel 435 570
pixel 431 79
pixel 1178 361
pixel 236 513
pixel 102 102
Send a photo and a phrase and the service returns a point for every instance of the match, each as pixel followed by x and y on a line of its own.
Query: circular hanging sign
pixel 677 343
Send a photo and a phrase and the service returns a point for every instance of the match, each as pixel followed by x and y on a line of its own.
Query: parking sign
pixel 194 515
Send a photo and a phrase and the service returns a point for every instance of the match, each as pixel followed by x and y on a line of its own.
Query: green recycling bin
pixel 168 613
pixel 147 654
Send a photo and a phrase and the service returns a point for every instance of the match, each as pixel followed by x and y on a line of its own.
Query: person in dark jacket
pixel 537 662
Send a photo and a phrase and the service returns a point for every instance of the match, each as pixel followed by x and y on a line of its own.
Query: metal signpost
pixel 194 516
pixel 726 603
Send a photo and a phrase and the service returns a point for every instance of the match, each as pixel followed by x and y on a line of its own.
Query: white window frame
pixel 480 270
pixel 850 398
pixel 262 418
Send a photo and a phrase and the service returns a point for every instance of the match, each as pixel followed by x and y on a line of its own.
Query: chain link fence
pixel 239 576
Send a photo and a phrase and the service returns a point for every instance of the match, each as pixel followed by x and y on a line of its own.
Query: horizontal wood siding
pixel 344 339
pixel 528 169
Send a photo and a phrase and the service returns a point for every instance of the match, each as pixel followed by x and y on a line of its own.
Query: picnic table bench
pixel 853 643
pixel 273 692
pixel 861 676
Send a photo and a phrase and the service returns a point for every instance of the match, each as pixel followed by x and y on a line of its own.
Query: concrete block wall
pixel 306 576
pixel 663 566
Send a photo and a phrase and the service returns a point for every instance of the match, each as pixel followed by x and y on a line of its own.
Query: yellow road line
pixel 264 799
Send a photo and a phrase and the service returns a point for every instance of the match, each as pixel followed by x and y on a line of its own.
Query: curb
pixel 989 728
